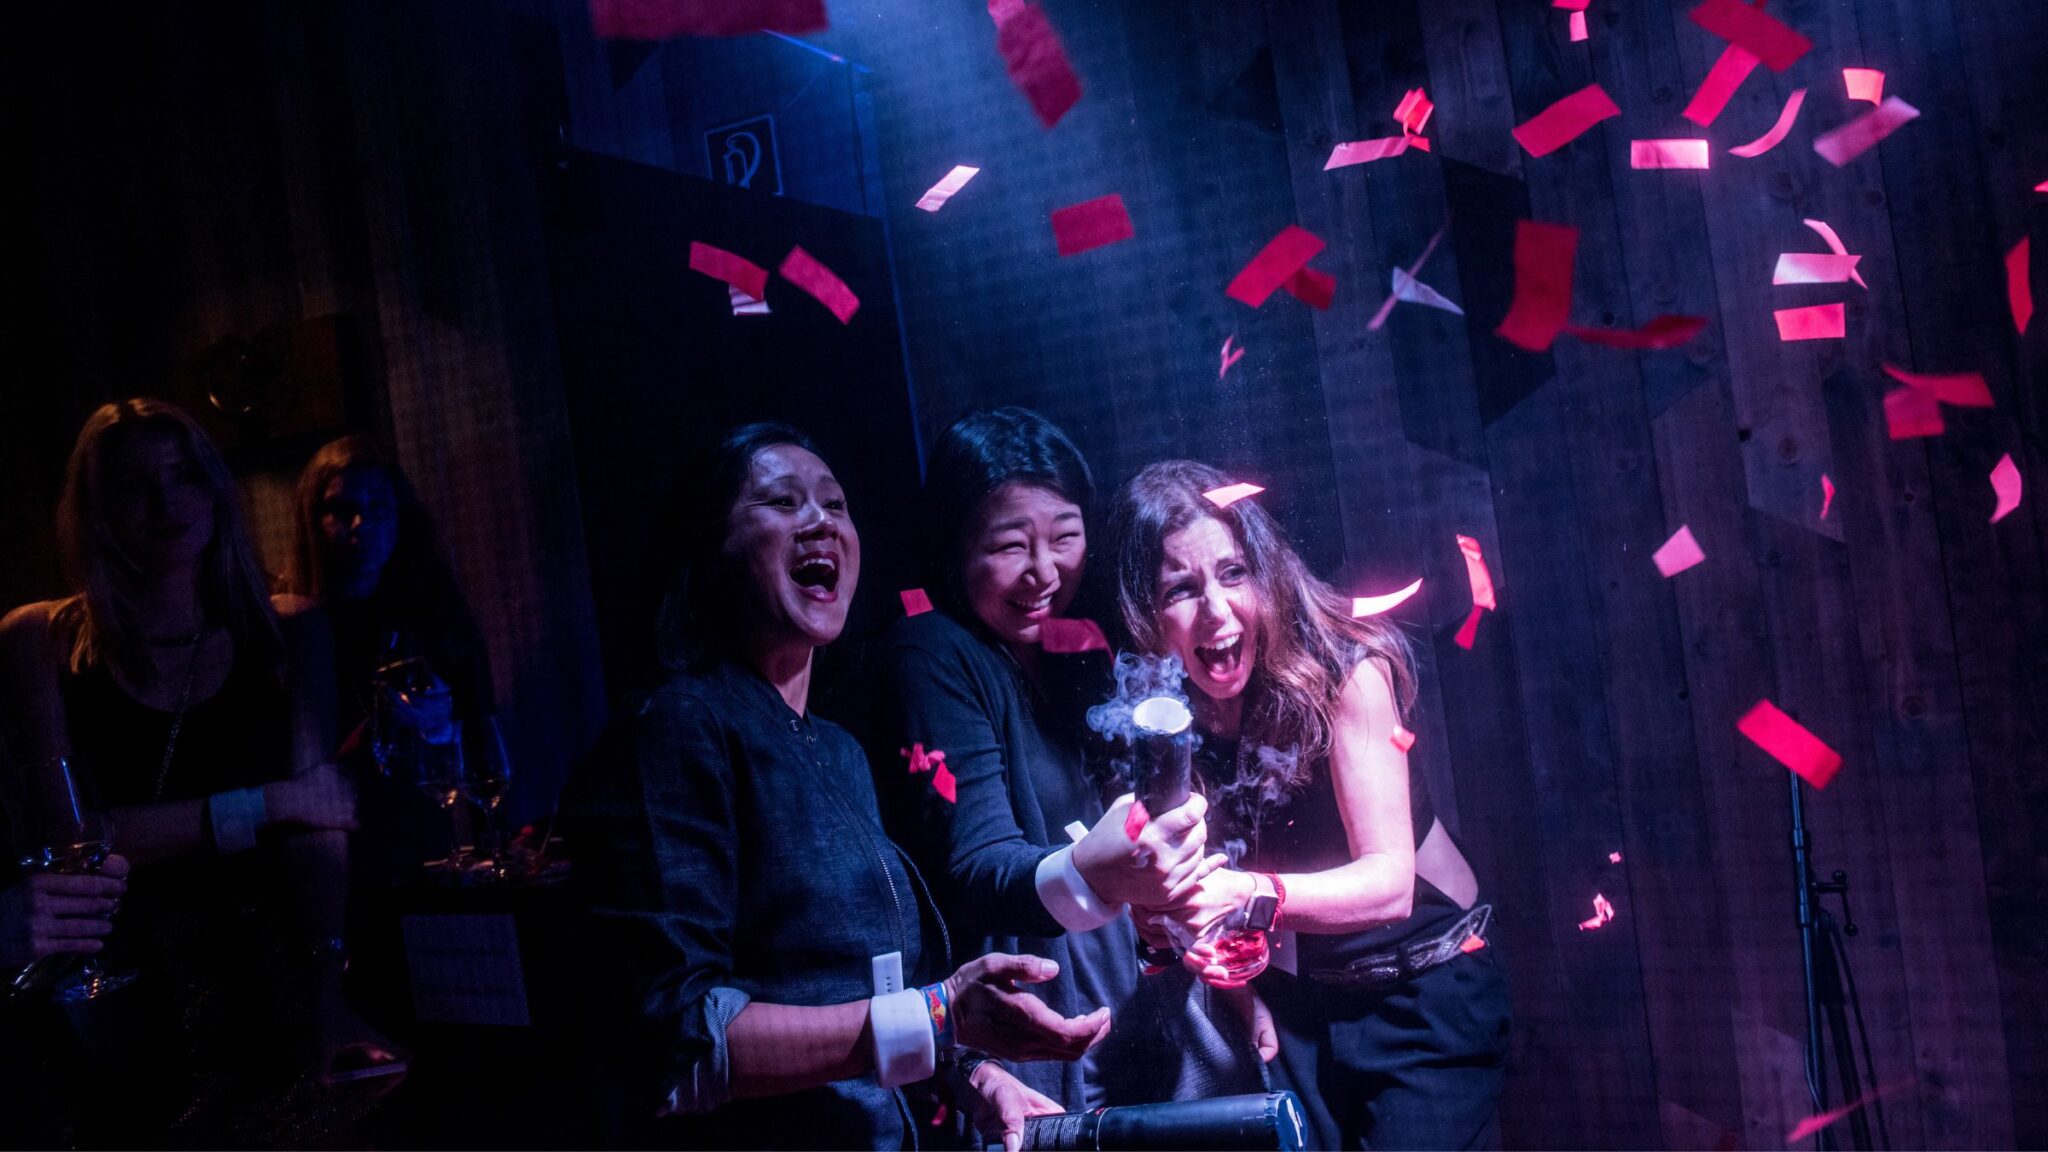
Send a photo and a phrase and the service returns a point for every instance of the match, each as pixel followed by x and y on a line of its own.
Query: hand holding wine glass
pixel 78 844
pixel 52 914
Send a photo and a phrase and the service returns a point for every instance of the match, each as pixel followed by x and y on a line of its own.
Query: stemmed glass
pixel 486 777
pixel 440 773
pixel 77 837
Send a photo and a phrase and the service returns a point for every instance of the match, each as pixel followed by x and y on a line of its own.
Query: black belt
pixel 1383 970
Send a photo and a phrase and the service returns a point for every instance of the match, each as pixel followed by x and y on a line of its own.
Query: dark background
pixel 436 208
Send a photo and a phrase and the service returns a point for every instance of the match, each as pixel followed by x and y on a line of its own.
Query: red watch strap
pixel 1280 899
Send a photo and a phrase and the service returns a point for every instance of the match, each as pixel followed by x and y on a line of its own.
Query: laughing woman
pixel 1393 1017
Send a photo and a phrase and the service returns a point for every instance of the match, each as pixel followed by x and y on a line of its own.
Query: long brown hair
pixel 103 618
pixel 1308 642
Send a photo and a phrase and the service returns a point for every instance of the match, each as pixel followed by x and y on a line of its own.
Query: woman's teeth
pixel 1029 606
pixel 1221 659
pixel 815 572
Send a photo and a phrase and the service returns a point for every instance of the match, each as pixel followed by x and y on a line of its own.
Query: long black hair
pixel 695 624
pixel 980 453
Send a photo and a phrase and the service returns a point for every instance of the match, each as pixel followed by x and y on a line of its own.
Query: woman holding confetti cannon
pixel 986 698
pixel 1392 1011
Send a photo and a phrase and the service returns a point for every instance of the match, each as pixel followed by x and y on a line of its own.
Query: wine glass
pixel 77 837
pixel 485 779
pixel 395 689
pixel 439 772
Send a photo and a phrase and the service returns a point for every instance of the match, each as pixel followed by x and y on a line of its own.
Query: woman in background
pixel 1392 1010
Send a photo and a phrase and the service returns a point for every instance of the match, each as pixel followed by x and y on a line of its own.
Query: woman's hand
pixel 999 1103
pixel 992 1014
pixel 50 913
pixel 319 797
pixel 1153 870
pixel 1212 901
pixel 1258 1020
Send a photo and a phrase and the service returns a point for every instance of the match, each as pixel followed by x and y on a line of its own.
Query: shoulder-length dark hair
pixel 1308 642
pixel 103 618
pixel 696 621
pixel 980 453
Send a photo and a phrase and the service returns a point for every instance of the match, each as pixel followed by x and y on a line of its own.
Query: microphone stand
pixel 1823 965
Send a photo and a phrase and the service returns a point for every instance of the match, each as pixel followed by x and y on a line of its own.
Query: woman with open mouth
pixel 766 938
pixel 976 689
pixel 1391 1008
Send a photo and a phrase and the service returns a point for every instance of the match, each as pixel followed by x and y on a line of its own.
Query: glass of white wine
pixel 77 837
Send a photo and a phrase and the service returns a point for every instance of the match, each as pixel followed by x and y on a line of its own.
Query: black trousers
pixel 1418 1066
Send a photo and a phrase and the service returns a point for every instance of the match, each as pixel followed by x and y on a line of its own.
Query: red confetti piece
pixel 1063 637
pixel 1091 224
pixel 1827 494
pixel 1313 288
pixel 1543 284
pixel 737 271
pixel 1910 413
pixel 1813 268
pixel 1862 134
pixel 1230 494
pixel 1754 31
pixel 1476 573
pixel 1033 57
pixel 1660 332
pixel 2042 186
pixel 1230 356
pixel 2005 482
pixel 1577 26
pixel 915 602
pixel 1667 154
pixel 1813 1124
pixel 803 270
pixel 1789 743
pixel 1375 605
pixel 1570 5
pixel 1835 245
pixel 1413 111
pixel 934 762
pixel 1387 306
pixel 1468 632
pixel 2019 290
pixel 1962 389
pixel 1565 121
pixel 1776 135
pixel 1813 322
pixel 1402 738
pixel 1136 819
pixel 1472 944
pixel 665 19
pixel 1275 265
pixel 1865 84
pixel 1729 71
pixel 1367 151
pixel 1678 553
pixel 936 196
pixel 1614 857
pixel 1602 913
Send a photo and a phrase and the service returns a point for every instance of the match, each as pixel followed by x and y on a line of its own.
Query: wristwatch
pixel 1264 910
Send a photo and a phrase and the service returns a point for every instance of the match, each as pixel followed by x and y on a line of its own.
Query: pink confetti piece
pixel 1313 288
pixel 1386 308
pixel 1910 413
pixel 743 304
pixel 1135 820
pixel 1033 57
pixel 1729 71
pixel 2042 186
pixel 1365 151
pixel 1789 743
pixel 1570 5
pixel 666 19
pixel 2019 289
pixel 1543 284
pixel 1813 268
pixel 737 271
pixel 803 270
pixel 1827 494
pixel 1472 944
pixel 2005 482
pixel 1230 356
pixel 1812 1124
pixel 1476 573
pixel 1602 913
pixel 1862 134
pixel 1414 291
pixel 1614 857
pixel 1962 389
pixel 1661 332
pixel 1776 135
pixel 1276 263
pixel 1413 111
pixel 1678 553
pixel 1230 494
pixel 1667 154
pixel 1402 738
pixel 1468 632
pixel 1813 322
pixel 1091 224
pixel 1754 31
pixel 1835 245
pixel 936 196
pixel 1375 605
pixel 1577 26
pixel 915 602
pixel 1865 84
pixel 1065 637
pixel 1565 121
pixel 933 762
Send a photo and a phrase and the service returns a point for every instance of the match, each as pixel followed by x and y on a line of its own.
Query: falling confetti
pixel 1910 413
pixel 1602 913
pixel 1386 308
pixel 1614 857
pixel 1753 30
pixel 1468 632
pixel 1414 291
pixel 1136 819
pixel 1827 494
pixel 1660 332
pixel 1565 121
pixel 1835 245
pixel 1543 284
pixel 1366 151
pixel 1476 573
pixel 1667 154
pixel 1230 494
pixel 1230 356
pixel 1034 58
pixel 1678 553
pixel 1860 135
pixel 1962 389
pixel 933 762
pixel 1276 263
pixel 1402 738
pixel 1091 224
pixel 1313 288
pixel 1865 84
pixel 1729 71
pixel 1813 268
pixel 915 602
pixel 2019 290
pixel 737 271
pixel 2005 482
pixel 1066 637
pixel 1413 111
pixel 1789 743
pixel 1813 322
pixel 935 197
pixel 1776 135
pixel 743 304
pixel 1812 1124
pixel 1375 605
pixel 803 270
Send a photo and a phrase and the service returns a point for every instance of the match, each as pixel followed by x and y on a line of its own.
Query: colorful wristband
pixel 938 1004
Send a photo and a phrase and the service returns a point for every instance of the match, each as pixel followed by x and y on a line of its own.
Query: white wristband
pixel 236 817
pixel 905 1051
pixel 1066 894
